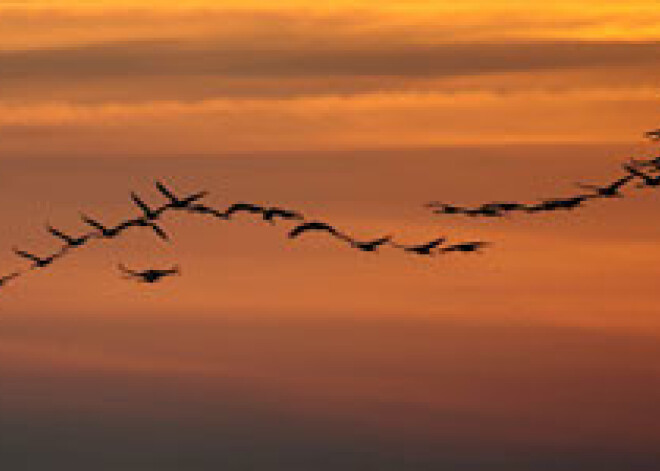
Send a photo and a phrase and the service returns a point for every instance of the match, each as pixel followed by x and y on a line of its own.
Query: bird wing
pixel 128 271
pixel 253 208
pixel 92 222
pixel 159 231
pixel 312 226
pixel 58 233
pixel 27 255
pixel 195 197
pixel 141 204
pixel 165 191
pixel 621 181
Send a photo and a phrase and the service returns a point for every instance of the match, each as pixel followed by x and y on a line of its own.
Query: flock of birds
pixel 646 172
pixel 191 204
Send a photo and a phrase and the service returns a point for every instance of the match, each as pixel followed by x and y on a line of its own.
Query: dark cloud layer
pixel 149 58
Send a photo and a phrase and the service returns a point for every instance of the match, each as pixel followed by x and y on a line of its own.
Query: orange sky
pixel 544 348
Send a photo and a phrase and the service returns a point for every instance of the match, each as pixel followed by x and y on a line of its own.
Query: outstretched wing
pixel 58 233
pixel 316 226
pixel 165 191
pixel 92 222
pixel 247 207
pixel 126 270
pixel 195 197
pixel 141 204
pixel 159 231
pixel 24 254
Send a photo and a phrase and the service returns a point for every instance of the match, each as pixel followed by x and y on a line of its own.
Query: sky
pixel 540 354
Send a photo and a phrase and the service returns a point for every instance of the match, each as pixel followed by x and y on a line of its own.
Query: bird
pixel 270 214
pixel 423 249
pixel 610 191
pixel 149 213
pixel 654 162
pixel 317 226
pixel 107 232
pixel 653 135
pixel 70 241
pixel 244 207
pixel 178 203
pixel 7 278
pixel 570 203
pixel 465 247
pixel 141 222
pixel 648 179
pixel 505 206
pixel 203 209
pixel 442 208
pixel 39 262
pixel 485 210
pixel 371 245
pixel 151 275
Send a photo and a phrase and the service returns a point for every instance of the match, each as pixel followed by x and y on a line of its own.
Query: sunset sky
pixel 543 353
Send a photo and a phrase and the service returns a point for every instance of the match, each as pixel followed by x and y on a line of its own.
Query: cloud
pixel 174 58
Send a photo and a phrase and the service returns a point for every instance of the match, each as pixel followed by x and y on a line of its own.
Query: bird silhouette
pixel 7 278
pixel 609 191
pixel 653 135
pixel 486 210
pixel 149 213
pixel 465 247
pixel 149 276
pixel 206 210
pixel 69 240
pixel 104 231
pixel 245 208
pixel 40 262
pixel 649 181
pixel 111 232
pixel 176 202
pixel 423 249
pixel 141 222
pixel 654 162
pixel 505 206
pixel 442 208
pixel 571 203
pixel 317 226
pixel 370 245
pixel 270 214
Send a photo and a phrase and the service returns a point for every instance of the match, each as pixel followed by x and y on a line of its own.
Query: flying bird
pixel 39 262
pixel 7 278
pixel 104 231
pixel 486 210
pixel 149 276
pixel 466 247
pixel 571 203
pixel 270 214
pixel 423 249
pixel 610 191
pixel 245 208
pixel 442 208
pixel 149 213
pixel 653 135
pixel 111 232
pixel 317 226
pixel 141 222
pixel 504 206
pixel 207 210
pixel 176 202
pixel 648 179
pixel 69 240
pixel 371 245
pixel 654 162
